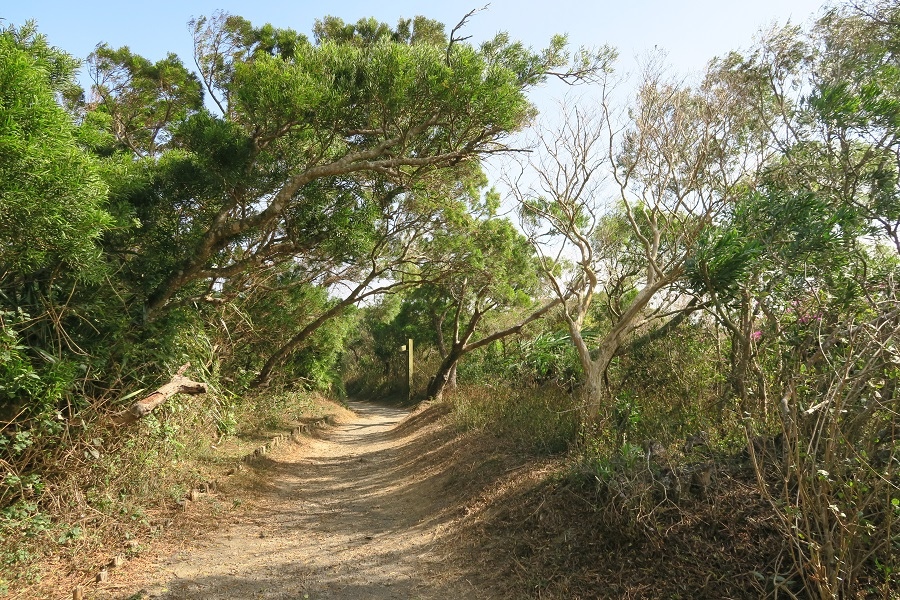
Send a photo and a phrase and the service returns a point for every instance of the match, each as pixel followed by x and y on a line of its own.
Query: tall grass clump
pixel 540 420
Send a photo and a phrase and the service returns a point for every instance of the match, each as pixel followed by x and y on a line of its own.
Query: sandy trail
pixel 350 516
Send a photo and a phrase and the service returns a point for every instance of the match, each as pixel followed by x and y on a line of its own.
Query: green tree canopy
pixel 51 194
pixel 358 108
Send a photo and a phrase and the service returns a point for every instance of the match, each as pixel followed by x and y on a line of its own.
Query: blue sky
pixel 691 31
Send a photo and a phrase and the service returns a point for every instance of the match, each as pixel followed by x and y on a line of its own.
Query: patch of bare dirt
pixel 361 511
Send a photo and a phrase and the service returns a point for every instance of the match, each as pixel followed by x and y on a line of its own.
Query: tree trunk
pixel 442 378
pixel 596 400
pixel 282 353
pixel 451 379
pixel 447 369
pixel 177 385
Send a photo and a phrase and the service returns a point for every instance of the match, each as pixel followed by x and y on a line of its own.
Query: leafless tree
pixel 615 201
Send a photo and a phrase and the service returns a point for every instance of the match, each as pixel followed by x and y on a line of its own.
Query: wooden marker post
pixel 410 369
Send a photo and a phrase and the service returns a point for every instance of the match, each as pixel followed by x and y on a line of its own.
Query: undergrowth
pixel 645 495
pixel 105 485
pixel 537 419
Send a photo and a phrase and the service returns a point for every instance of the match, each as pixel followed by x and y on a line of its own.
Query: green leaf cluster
pixel 52 196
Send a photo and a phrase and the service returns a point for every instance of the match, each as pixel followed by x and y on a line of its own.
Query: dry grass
pixel 533 527
pixel 536 420
pixel 519 525
pixel 544 536
pixel 528 526
pixel 133 498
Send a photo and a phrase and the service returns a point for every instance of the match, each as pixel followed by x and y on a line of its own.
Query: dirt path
pixel 355 515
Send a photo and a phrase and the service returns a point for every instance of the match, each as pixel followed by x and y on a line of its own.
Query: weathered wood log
pixel 179 384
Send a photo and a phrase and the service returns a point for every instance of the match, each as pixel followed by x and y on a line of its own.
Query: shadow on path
pixel 357 514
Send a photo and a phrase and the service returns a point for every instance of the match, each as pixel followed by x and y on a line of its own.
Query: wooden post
pixel 410 369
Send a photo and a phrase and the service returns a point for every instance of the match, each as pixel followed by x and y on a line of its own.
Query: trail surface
pixel 354 515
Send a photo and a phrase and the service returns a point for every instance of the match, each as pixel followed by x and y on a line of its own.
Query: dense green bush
pixel 41 164
pixel 672 387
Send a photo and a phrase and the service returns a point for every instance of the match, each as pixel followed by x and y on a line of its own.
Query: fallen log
pixel 179 384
